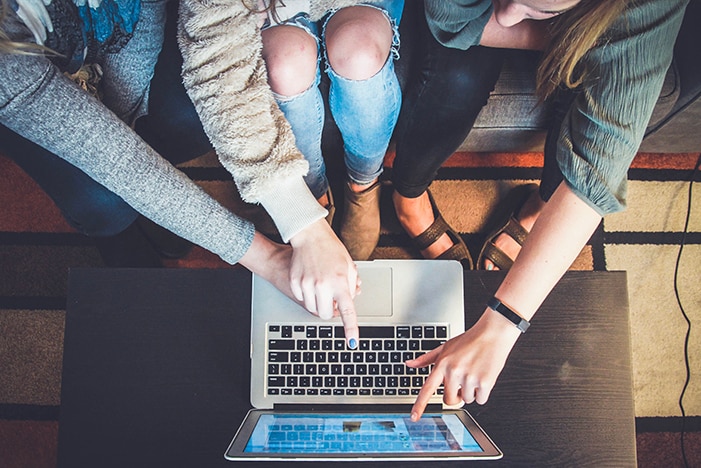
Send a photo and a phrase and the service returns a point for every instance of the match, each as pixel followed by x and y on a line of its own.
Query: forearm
pixel 558 236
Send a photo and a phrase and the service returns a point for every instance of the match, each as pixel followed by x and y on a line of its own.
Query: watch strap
pixel 498 306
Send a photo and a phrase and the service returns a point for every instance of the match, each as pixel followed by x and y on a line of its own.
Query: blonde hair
pixel 574 33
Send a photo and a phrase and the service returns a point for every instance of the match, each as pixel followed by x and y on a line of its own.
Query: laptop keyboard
pixel 314 360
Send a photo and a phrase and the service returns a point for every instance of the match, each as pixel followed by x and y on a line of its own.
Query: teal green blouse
pixel 603 129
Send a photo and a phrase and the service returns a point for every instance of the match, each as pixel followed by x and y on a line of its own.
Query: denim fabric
pixel 374 102
pixel 447 90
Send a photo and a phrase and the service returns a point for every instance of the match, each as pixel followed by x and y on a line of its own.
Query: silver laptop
pixel 315 399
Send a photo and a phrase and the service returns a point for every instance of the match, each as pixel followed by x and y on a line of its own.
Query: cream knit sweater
pixel 225 77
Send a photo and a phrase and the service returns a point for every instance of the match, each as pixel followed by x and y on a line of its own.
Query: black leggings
pixel 446 90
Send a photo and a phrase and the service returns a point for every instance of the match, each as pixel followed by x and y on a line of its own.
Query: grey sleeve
pixel 39 103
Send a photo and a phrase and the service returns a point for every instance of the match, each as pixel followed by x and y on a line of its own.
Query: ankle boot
pixel 360 226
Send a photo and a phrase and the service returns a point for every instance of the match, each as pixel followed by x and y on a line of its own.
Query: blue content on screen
pixel 353 433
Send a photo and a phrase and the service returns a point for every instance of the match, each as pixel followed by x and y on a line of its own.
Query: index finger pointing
pixel 432 382
pixel 350 320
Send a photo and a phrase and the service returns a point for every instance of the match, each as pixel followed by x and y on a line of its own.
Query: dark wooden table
pixel 156 371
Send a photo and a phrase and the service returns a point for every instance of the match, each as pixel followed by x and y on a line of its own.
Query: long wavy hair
pixel 574 33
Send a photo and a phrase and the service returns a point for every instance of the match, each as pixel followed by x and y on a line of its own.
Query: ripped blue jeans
pixel 365 111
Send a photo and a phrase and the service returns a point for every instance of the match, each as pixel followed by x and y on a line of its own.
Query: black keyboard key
pixel 428 345
pixel 281 344
pixel 378 392
pixel 376 345
pixel 345 356
pixel 286 331
pixel 274 328
pixel 298 369
pixel 273 369
pixel 310 369
pixel 326 345
pixel 307 356
pixel 339 345
pixel 403 332
pixel 370 357
pixel 317 381
pixel 276 381
pixel 311 332
pixel 442 331
pixel 312 391
pixel 299 391
pixel 348 369
pixel 299 328
pixel 376 332
pixel 325 332
pixel 336 369
pixel 386 369
pixel 302 345
pixel 417 331
pixel 278 356
pixel 429 331
pixel 286 369
pixel 296 356
pixel 329 381
pixel 395 357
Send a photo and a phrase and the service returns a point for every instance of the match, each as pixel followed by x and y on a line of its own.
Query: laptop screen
pixel 301 435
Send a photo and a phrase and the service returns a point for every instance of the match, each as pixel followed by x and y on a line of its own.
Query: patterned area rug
pixel 37 247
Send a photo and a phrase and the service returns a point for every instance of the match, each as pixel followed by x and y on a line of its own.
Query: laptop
pixel 316 399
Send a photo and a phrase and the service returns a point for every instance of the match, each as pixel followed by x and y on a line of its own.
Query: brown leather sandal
pixel 458 251
pixel 506 223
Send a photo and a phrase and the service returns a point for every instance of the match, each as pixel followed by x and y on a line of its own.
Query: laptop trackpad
pixel 375 299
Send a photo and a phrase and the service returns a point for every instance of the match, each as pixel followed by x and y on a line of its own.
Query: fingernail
pixel 490 267
pixel 414 417
pixel 352 343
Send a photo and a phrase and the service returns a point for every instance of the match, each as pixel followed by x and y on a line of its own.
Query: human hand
pixel 467 365
pixel 324 278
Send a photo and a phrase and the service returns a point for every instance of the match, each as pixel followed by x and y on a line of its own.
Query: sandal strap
pixel 497 256
pixel 515 230
pixel 432 233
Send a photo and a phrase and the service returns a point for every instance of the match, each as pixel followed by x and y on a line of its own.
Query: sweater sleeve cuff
pixel 292 207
